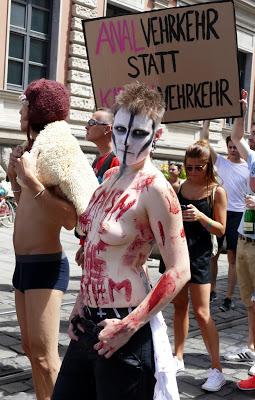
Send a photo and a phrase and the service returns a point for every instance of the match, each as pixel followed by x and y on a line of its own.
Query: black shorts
pixel 41 271
pixel 200 262
pixel 127 375
pixel 231 234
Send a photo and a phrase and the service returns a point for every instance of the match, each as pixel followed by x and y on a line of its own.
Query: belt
pixel 103 313
pixel 247 239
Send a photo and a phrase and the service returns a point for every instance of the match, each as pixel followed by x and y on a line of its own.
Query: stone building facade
pixel 50 32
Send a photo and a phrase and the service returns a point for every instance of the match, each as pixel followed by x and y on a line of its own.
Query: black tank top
pixel 198 238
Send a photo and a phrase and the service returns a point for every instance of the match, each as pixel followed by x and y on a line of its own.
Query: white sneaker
pixel 215 381
pixel 179 364
pixel 252 370
pixel 245 354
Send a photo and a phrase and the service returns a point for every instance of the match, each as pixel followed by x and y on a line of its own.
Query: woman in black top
pixel 204 213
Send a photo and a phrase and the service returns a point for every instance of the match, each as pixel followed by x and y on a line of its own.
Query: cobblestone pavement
pixel 15 376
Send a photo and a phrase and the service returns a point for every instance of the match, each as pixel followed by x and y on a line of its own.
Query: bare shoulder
pixel 219 189
pixel 110 172
pixel 156 180
pixel 220 192
pixel 158 189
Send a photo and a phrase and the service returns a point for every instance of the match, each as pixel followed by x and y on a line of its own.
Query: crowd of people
pixel 120 210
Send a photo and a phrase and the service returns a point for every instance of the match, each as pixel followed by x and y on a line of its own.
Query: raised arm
pixel 165 219
pixel 204 135
pixel 237 134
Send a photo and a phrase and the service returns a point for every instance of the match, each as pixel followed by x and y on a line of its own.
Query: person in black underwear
pixel 203 203
pixel 41 272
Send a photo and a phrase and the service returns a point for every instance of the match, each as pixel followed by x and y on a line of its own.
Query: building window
pixel 29 42
pixel 124 6
pixel 114 11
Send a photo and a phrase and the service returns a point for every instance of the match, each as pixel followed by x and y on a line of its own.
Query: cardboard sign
pixel 187 53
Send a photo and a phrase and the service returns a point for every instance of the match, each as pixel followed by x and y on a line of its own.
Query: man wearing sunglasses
pixel 233 173
pixel 99 131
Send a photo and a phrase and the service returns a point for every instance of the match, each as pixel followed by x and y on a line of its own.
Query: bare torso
pixel 119 240
pixel 35 231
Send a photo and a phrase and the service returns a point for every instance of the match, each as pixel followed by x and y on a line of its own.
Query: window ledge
pixel 9 95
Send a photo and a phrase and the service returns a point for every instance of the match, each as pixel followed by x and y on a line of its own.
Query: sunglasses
pixel 197 168
pixel 92 122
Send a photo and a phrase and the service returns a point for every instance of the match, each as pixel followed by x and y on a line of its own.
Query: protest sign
pixel 187 53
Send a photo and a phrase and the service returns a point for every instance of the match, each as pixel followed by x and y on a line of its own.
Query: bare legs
pixel 231 273
pixel 181 321
pixel 38 313
pixel 214 271
pixel 200 295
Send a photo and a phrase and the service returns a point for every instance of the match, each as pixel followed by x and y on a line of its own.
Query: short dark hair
pixel 179 166
pixel 228 139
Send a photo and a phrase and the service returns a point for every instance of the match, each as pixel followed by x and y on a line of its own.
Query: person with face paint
pixel 113 353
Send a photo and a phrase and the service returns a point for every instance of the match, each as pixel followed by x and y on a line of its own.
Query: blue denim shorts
pixel 41 271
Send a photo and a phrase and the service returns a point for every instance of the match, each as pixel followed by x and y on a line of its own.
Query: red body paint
pixel 122 207
pixel 110 172
pixel 94 273
pixel 166 286
pixel 182 233
pixel 145 231
pixel 133 253
pixel 173 204
pixel 103 205
pixel 161 231
pixel 143 182
pixel 126 285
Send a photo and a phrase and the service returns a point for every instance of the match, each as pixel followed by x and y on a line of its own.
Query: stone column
pixel 82 100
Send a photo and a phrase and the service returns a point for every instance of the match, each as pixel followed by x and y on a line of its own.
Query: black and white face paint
pixel 132 136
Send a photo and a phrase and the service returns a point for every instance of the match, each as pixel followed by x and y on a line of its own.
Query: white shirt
pixel 234 178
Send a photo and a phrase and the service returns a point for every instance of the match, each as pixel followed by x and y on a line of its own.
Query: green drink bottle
pixel 249 221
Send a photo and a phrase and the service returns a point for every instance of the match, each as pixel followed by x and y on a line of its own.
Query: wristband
pixel 209 224
pixel 39 193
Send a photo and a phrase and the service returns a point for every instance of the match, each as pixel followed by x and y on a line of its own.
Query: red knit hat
pixel 48 101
